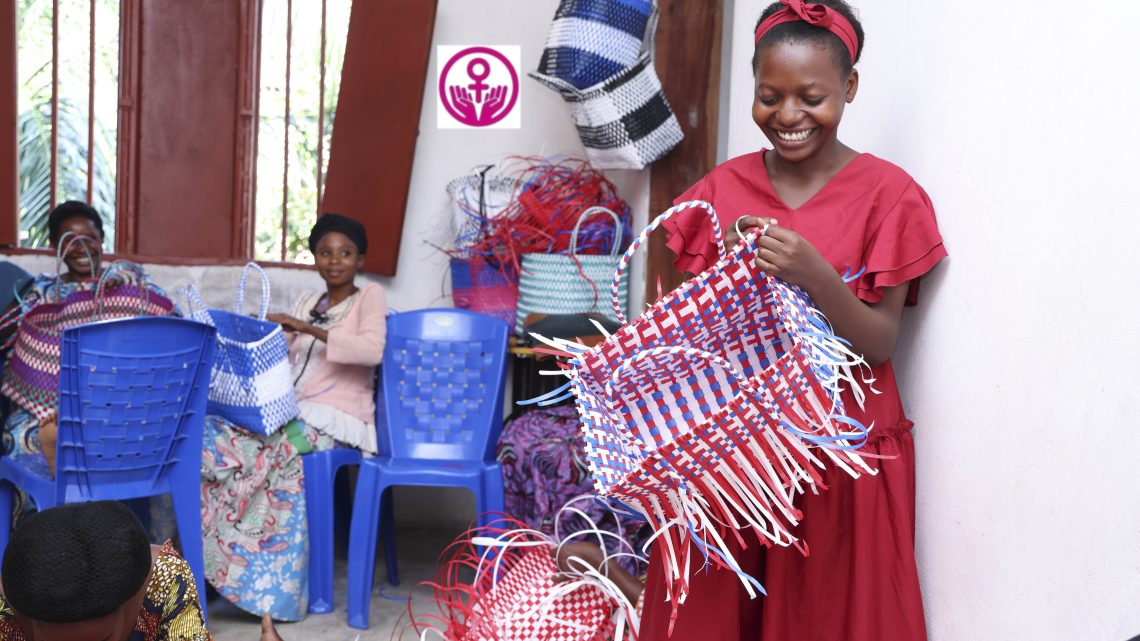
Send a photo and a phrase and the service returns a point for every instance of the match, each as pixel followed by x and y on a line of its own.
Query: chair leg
pixel 318 512
pixel 366 510
pixel 490 500
pixel 388 534
pixel 7 491
pixel 187 499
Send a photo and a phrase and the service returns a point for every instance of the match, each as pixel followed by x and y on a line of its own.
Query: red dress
pixel 859 582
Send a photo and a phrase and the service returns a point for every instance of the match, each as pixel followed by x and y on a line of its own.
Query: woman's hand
pixel 588 552
pixel 286 321
pixel 788 256
pixel 744 223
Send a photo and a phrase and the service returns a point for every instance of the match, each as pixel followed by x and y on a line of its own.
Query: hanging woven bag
pixel 623 121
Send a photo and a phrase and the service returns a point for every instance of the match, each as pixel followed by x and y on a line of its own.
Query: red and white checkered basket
pixel 713 409
pixel 514 595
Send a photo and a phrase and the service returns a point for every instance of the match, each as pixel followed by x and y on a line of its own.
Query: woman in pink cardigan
pixel 254 518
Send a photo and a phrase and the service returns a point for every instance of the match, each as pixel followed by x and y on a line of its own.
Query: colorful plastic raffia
pixel 711 411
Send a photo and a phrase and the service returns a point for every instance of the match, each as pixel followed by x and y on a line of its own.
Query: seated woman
pixel 80 229
pixel 87 571
pixel 254 502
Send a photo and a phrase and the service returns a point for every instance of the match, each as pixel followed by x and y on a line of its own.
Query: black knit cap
pixel 75 562
pixel 345 225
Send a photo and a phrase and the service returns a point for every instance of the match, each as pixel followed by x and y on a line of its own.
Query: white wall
pixel 1018 367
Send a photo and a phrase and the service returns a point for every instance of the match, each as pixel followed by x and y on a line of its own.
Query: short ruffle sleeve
pixel 905 246
pixel 690 233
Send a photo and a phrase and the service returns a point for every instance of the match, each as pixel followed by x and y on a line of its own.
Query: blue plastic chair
pixel 442 382
pixel 132 408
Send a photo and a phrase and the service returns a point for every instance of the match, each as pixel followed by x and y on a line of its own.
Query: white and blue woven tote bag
pixel 571 283
pixel 251 384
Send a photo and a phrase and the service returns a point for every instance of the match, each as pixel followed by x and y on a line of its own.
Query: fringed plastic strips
pixel 711 411
pixel 518 592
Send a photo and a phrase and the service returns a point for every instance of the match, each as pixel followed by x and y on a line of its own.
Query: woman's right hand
pixel 744 223
pixel 287 322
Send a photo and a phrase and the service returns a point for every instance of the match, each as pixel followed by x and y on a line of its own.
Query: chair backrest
pixel 442 383
pixel 12 278
pixel 132 406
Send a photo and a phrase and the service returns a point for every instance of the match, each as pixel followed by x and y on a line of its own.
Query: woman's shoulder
pixel 372 294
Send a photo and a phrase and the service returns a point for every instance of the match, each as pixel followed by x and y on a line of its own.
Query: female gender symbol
pixel 478 87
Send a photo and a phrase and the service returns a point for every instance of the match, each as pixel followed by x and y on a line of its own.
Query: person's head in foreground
pixel 77 573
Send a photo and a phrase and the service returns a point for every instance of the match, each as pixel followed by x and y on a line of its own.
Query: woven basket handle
pixel 195 306
pixel 640 357
pixel 115 269
pixel 264 310
pixel 623 264
pixel 594 211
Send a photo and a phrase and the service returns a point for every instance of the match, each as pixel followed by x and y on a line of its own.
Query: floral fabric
pixel 254 527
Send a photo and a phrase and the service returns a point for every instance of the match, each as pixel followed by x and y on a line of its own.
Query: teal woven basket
pixel 571 283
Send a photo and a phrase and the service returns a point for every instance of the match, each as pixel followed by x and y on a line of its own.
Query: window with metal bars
pixel 67 102
pixel 301 52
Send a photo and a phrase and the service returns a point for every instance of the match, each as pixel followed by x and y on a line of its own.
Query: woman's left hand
pixel 788 256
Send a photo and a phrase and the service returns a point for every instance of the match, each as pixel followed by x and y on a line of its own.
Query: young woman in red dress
pixel 832 211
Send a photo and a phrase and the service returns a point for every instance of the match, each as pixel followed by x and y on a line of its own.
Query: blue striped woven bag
pixel 592 40
pixel 251 384
pixel 571 283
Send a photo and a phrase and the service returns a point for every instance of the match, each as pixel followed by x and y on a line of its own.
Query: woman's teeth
pixel 795 136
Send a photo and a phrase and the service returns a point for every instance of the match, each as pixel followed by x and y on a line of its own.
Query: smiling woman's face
pixel 83 255
pixel 800 96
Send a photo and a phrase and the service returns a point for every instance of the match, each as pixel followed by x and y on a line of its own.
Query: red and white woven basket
pixel 712 410
pixel 514 596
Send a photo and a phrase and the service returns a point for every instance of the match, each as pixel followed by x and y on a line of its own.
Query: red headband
pixel 817 15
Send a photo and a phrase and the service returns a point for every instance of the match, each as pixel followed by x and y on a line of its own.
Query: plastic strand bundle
pixel 712 410
pixel 518 592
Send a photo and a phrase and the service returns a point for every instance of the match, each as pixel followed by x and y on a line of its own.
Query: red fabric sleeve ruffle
pixel 905 246
pixel 690 233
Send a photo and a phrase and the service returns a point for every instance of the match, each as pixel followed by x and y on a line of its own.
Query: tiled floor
pixel 418 549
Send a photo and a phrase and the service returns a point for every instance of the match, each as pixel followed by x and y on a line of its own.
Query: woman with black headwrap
pixel 254 513
pixel 336 337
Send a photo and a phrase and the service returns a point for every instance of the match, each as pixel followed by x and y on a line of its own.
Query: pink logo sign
pixel 478 86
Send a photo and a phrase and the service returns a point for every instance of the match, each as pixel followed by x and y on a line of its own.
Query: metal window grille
pixel 300 56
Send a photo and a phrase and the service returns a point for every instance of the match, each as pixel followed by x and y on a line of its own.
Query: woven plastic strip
pixel 713 409
pixel 514 594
